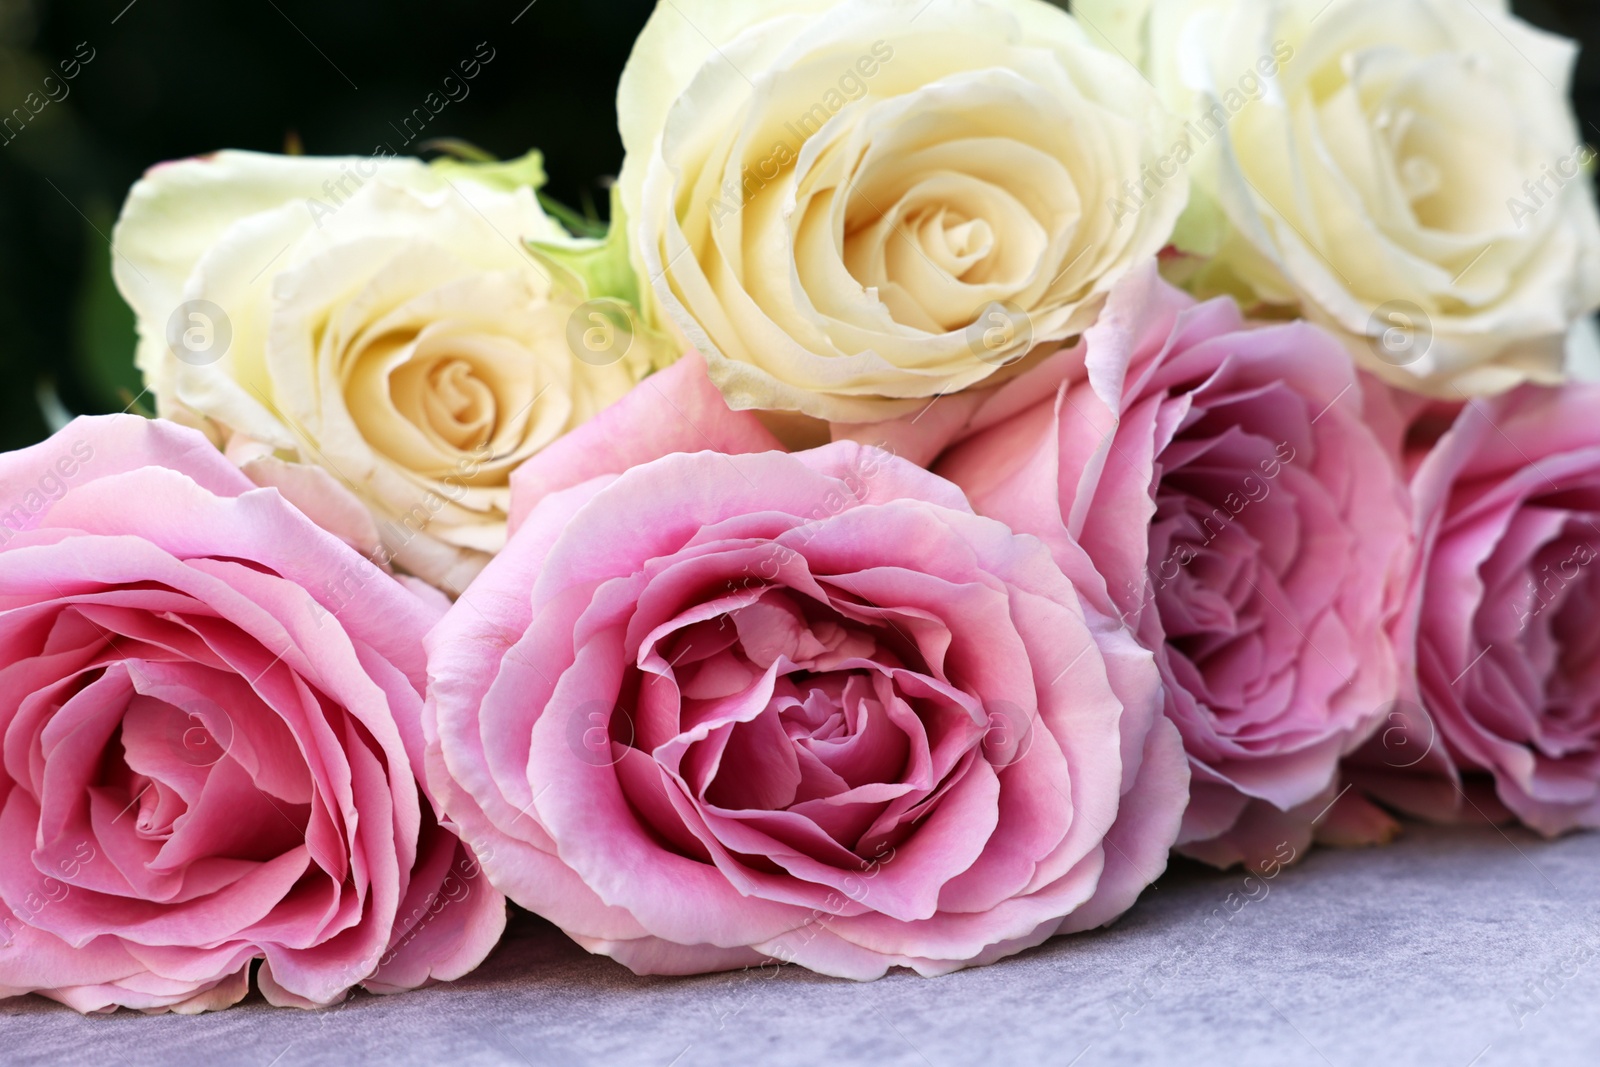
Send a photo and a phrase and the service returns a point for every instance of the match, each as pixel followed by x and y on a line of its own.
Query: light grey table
pixel 1452 947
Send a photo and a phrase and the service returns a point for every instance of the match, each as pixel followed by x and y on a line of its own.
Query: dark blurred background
pixel 174 78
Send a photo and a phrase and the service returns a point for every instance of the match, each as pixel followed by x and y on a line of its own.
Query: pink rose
pixel 720 709
pixel 1248 525
pixel 1503 620
pixel 210 709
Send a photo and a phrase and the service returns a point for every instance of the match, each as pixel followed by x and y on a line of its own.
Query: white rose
pixel 1408 172
pixel 379 319
pixel 848 206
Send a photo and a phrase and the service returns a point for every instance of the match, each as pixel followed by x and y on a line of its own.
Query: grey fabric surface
pixel 1451 947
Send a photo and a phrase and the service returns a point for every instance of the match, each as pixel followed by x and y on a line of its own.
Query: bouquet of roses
pixel 990 449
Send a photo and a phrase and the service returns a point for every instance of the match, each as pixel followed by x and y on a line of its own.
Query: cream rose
pixel 850 206
pixel 1407 171
pixel 379 319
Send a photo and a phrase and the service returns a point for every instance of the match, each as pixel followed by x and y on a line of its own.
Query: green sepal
pixel 593 267
pixel 588 268
pixel 526 171
pixel 579 225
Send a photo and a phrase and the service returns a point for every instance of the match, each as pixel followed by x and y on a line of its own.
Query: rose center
pixel 937 251
pixel 1197 573
pixel 457 405
pixel 808 720
pixel 1218 542
pixel 1420 178
pixel 1559 635
pixel 1443 166
pixel 955 243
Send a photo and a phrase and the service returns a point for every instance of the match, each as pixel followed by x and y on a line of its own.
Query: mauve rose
pixel 722 709
pixel 209 710
pixel 1503 620
pixel 1248 525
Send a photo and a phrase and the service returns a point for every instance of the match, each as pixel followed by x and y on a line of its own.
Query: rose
pixel 1405 171
pixel 376 318
pixel 847 206
pixel 1247 523
pixel 1502 620
pixel 209 709
pixel 726 708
